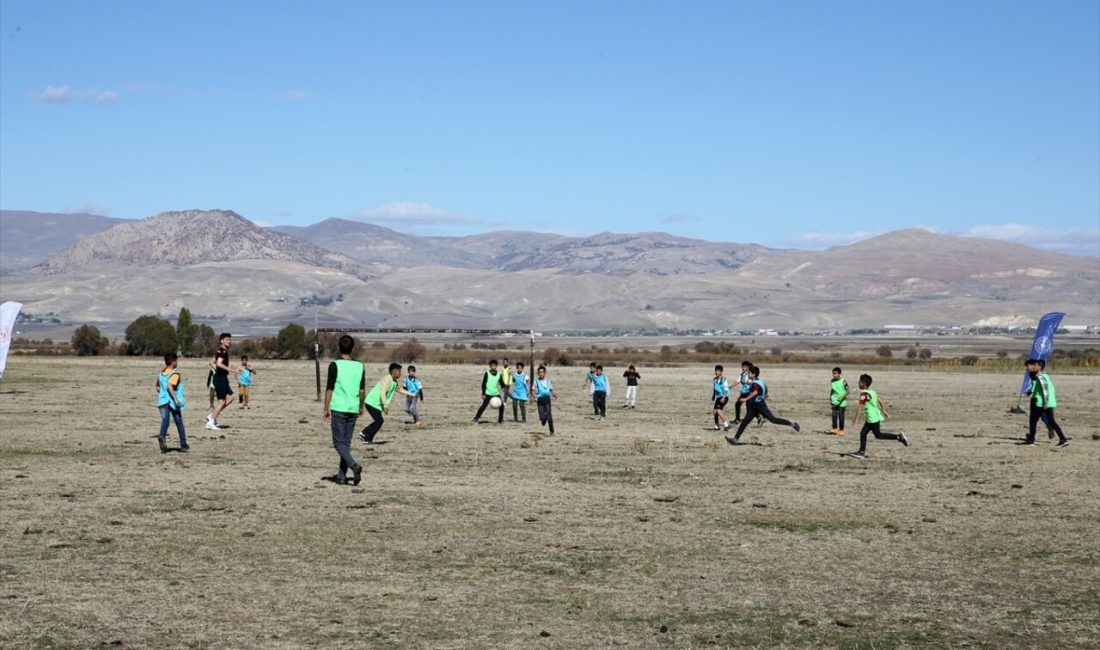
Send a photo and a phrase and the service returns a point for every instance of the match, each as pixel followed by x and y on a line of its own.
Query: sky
pixel 788 124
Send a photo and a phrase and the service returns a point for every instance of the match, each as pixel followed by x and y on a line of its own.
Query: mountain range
pixel 83 268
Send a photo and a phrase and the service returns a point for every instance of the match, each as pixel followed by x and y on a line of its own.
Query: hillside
pixel 190 238
pixel 221 265
pixel 27 238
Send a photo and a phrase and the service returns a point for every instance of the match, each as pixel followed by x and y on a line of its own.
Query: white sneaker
pixel 210 424
pixel 725 426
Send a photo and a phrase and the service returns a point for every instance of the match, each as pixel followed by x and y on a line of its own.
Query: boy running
pixel 720 393
pixel 872 404
pixel 544 393
pixel 491 386
pixel 838 399
pixel 170 401
pixel 222 391
pixel 378 401
pixel 415 389
pixel 755 405
pixel 632 377
pixel 344 395
pixel 519 393
pixel 1043 401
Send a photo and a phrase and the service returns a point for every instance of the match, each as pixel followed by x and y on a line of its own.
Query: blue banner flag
pixel 1043 343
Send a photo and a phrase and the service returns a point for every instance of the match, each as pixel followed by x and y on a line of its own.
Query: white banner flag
pixel 8 312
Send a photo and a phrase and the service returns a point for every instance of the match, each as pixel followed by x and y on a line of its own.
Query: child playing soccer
pixel 519 393
pixel 755 405
pixel 632 377
pixel 491 386
pixel 599 392
pixel 871 403
pixel 1043 401
pixel 378 401
pixel 720 393
pixel 544 393
pixel 838 399
pixel 415 389
pixel 244 383
pixel 344 396
pixel 745 384
pixel 170 401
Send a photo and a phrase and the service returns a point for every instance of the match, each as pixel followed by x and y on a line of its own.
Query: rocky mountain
pixel 27 238
pixel 191 238
pixel 656 253
pixel 220 265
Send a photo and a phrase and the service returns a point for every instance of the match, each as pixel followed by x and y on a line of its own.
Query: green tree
pixel 292 341
pixel 203 344
pixel 150 335
pixel 88 342
pixel 884 351
pixel 409 351
pixel 185 331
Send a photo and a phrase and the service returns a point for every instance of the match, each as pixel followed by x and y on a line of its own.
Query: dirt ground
pixel 644 530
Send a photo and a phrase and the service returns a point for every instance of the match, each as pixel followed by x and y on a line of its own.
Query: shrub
pixel 87 341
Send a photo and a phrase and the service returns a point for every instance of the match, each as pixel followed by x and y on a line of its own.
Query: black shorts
pixel 720 403
pixel 221 386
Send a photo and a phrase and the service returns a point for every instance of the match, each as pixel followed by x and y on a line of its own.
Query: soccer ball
pixel 495 402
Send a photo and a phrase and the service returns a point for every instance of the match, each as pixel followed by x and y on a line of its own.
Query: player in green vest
pixel 838 399
pixel 1043 400
pixel 378 401
pixel 492 385
pixel 344 395
pixel 875 408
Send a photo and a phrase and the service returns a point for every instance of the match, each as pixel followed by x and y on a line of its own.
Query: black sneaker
pixel 357 475
pixel 796 427
pixel 737 420
pixel 732 440
pixel 859 455
pixel 185 447
pixel 1063 442
pixel 1026 442
pixel 163 447
pixel 335 478
pixel 363 436
pixel 902 439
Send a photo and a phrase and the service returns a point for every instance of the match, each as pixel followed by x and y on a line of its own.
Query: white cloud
pixel 66 94
pixel 820 240
pixel 54 95
pixel 1075 241
pixel 294 96
pixel 411 213
pixel 101 97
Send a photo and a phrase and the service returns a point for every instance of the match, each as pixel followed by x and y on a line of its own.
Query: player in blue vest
pixel 756 405
pixel 170 401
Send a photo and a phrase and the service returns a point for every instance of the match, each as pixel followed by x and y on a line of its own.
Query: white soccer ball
pixel 495 402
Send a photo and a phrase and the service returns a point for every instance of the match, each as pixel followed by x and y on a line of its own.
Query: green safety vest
pixel 874 413
pixel 839 396
pixel 1042 391
pixel 374 398
pixel 349 377
pixel 492 384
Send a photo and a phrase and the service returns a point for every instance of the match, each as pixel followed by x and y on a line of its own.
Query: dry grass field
pixel 644 530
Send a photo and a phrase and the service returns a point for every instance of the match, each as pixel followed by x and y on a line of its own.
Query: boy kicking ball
pixel 875 408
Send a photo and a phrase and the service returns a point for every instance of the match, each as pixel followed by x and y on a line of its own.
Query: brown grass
pixel 640 531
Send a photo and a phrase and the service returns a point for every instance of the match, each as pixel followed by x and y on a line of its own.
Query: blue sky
pixel 790 124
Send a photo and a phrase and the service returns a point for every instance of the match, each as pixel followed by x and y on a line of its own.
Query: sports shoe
pixel 363 436
pixel 1063 442
pixel 760 420
pixel 357 475
pixel 212 425
pixel 859 455
pixel 717 428
pixel 418 423
pixel 838 432
pixel 732 440
pixel 737 420
pixel 163 447
pixel 902 439
pixel 796 427
pixel 1026 442
pixel 725 426
pixel 185 448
